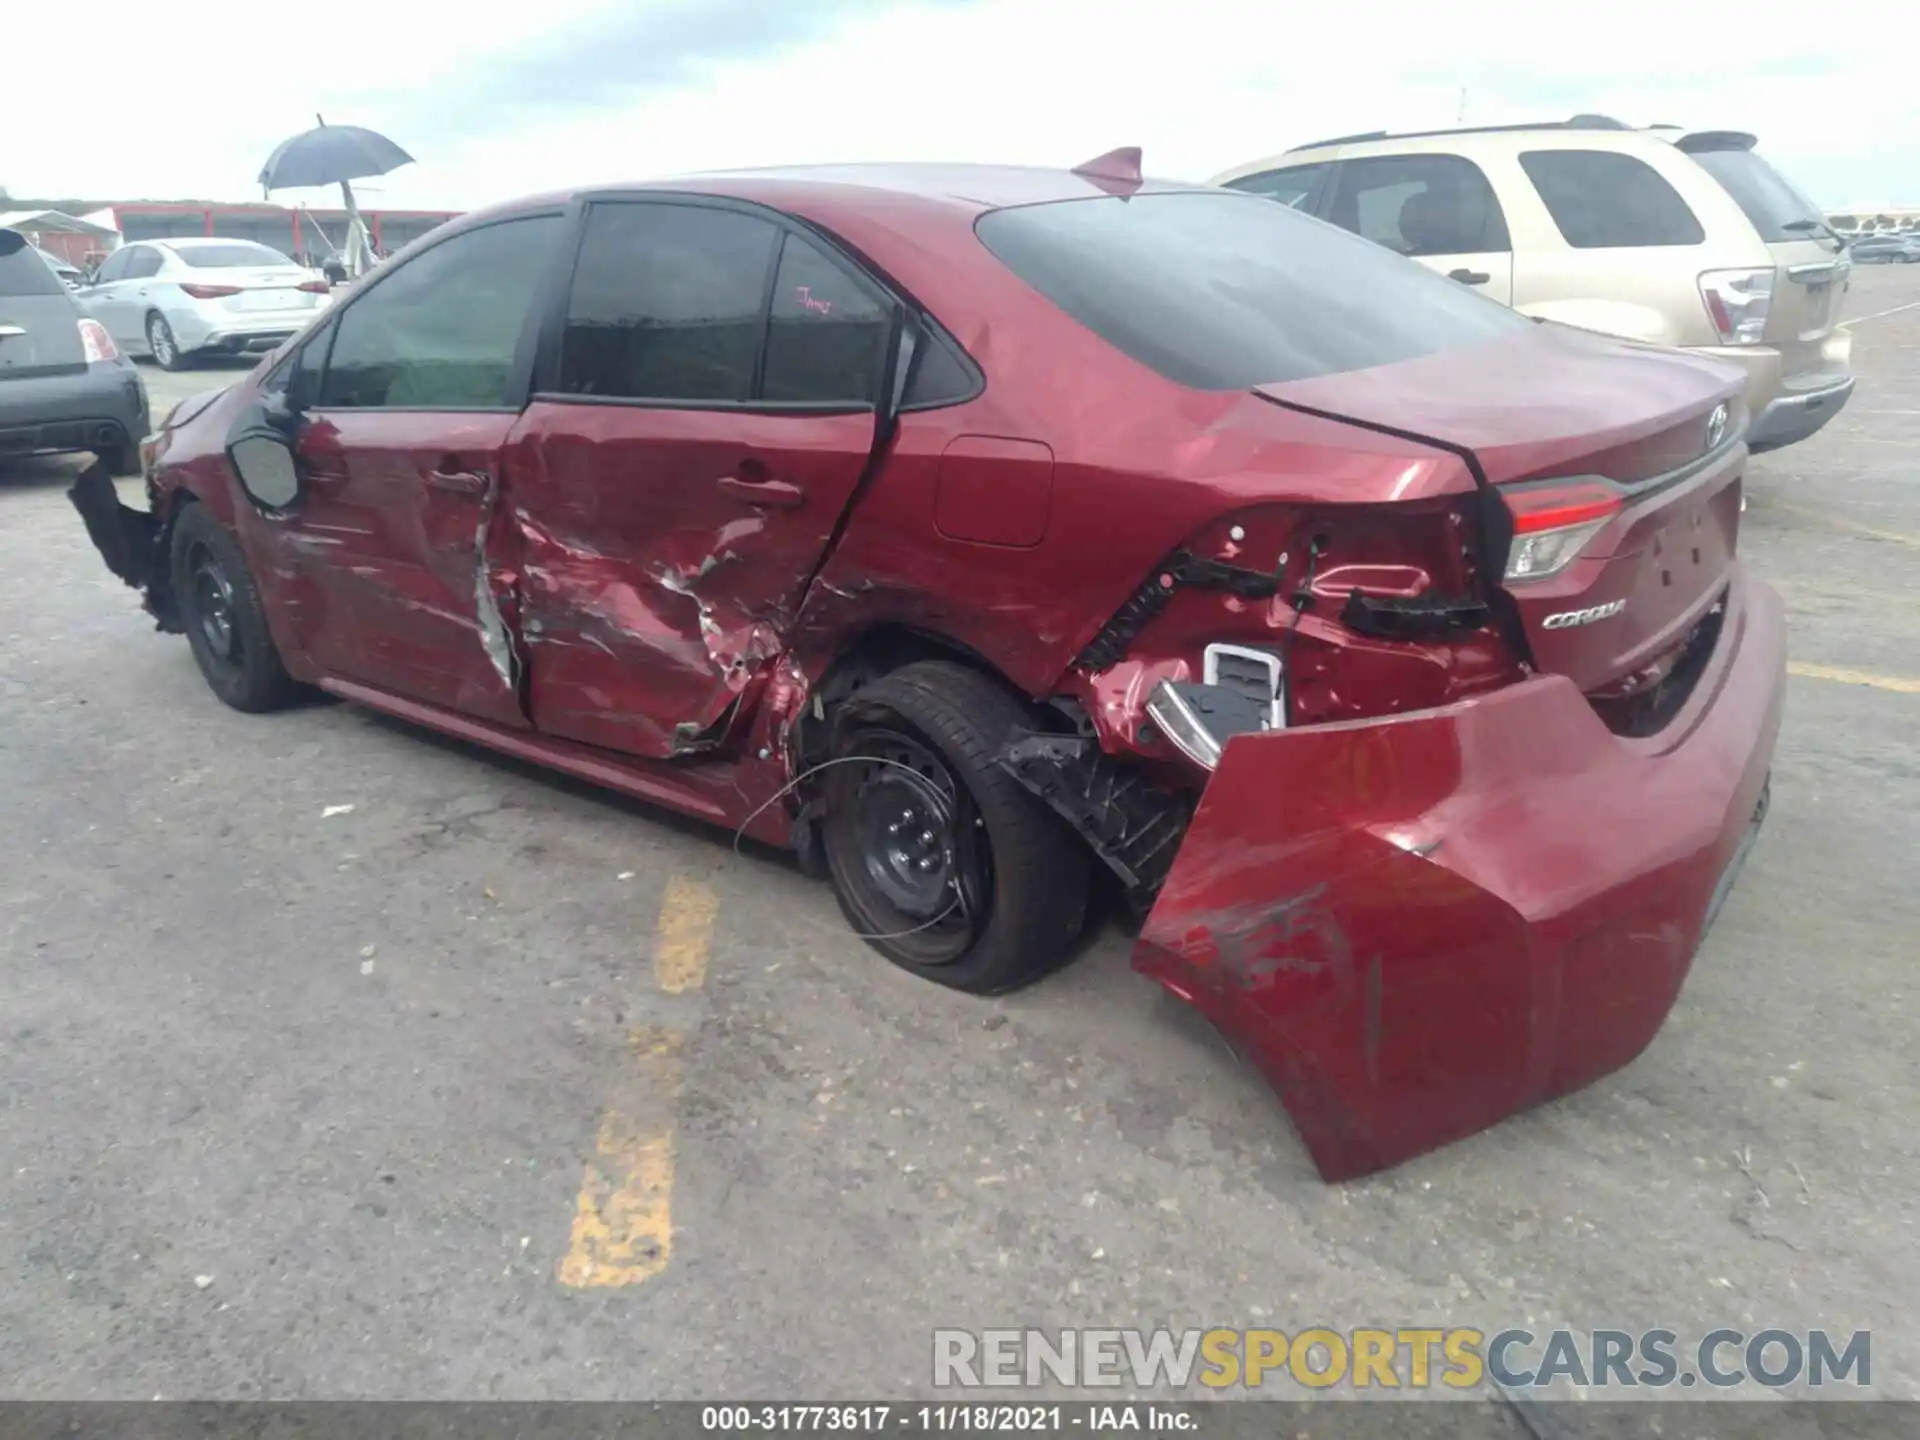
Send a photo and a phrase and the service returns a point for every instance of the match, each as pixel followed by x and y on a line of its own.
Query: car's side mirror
pixel 260 449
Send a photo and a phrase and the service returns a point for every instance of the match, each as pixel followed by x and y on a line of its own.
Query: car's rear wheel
pixel 939 859
pixel 225 622
pixel 162 344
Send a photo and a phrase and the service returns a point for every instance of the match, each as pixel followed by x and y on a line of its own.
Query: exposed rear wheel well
pixel 880 651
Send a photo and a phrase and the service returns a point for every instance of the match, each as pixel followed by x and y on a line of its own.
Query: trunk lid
pixel 39 323
pixel 1556 416
pixel 267 289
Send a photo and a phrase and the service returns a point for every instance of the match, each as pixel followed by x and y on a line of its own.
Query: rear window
pixel 229 255
pixel 1604 200
pixel 1778 211
pixel 24 272
pixel 1223 292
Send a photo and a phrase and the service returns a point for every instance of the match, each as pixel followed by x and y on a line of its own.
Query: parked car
pixel 1666 236
pixel 971 530
pixel 69 274
pixel 63 385
pixel 1885 250
pixel 178 300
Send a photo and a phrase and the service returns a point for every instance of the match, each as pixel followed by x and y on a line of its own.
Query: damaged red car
pixel 991 536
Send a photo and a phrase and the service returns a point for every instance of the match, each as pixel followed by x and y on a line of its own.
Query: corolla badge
pixel 1567 619
pixel 1717 426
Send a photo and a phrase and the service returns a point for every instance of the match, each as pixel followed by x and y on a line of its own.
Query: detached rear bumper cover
pixel 1419 926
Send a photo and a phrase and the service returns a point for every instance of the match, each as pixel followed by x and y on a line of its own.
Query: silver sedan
pixel 179 299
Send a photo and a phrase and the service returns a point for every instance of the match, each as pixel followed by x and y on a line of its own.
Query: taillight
pixel 1553 523
pixel 210 292
pixel 315 287
pixel 1737 302
pixel 97 343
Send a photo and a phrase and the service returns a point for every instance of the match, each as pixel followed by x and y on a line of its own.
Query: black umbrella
pixel 334 155
pixel 331 155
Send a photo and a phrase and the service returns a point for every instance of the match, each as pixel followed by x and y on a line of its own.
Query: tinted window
pixel 1766 196
pixel 439 332
pixel 1601 200
pixel 827 332
pixel 141 262
pixel 1293 186
pixel 1225 291
pixel 25 272
pixel 666 303
pixel 1419 205
pixel 940 376
pixel 114 267
pixel 229 254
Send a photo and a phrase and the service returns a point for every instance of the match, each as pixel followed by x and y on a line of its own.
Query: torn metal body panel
pixel 661 564
pixel 385 569
pixel 1418 926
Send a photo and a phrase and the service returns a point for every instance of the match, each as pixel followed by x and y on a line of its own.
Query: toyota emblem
pixel 1717 426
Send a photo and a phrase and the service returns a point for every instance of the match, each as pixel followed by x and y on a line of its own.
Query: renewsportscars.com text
pixel 1458 1358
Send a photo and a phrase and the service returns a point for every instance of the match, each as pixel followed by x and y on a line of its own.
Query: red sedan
pixel 997 537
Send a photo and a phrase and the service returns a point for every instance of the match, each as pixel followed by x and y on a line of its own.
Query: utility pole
pixel 1460 116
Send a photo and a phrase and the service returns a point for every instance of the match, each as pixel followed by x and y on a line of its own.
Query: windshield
pixel 1224 291
pixel 229 254
pixel 1767 197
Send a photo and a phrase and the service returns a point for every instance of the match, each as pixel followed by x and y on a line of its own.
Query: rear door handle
pixel 776 494
pixel 1469 277
pixel 458 482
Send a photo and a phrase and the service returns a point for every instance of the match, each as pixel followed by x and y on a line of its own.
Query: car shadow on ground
pixel 1107 910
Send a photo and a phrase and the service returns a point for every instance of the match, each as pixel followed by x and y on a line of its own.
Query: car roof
pixel 1579 132
pixel 194 242
pixel 963 189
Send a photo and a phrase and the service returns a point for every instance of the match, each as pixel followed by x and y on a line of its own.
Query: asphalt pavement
pixel 341 1060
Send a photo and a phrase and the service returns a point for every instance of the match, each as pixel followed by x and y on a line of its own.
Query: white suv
pixel 1661 235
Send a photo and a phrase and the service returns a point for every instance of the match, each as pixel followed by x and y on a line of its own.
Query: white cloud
pixel 166 110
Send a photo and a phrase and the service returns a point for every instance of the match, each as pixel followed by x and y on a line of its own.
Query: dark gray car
pixel 64 386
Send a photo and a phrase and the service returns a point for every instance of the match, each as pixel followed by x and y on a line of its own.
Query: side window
pixel 940 376
pixel 1293 186
pixel 440 332
pixel 144 261
pixel 827 333
pixel 114 267
pixel 666 303
pixel 1420 205
pixel 297 376
pixel 1601 199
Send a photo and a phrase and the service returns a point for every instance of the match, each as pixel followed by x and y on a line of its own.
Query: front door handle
pixel 458 482
pixel 1469 277
pixel 776 494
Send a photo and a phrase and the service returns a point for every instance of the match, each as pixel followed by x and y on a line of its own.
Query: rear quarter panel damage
pixel 1418 926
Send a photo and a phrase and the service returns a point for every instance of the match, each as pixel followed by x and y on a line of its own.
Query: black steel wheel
pixel 225 622
pixel 940 860
pixel 910 860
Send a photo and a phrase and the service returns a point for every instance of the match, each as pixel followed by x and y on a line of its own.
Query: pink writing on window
pixel 805 294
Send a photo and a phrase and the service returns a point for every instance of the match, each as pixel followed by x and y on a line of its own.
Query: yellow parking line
pixel 1840 522
pixel 686 928
pixel 1854 677
pixel 1877 315
pixel 623 1218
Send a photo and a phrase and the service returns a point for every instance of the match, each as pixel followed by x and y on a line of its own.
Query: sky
pixel 543 95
